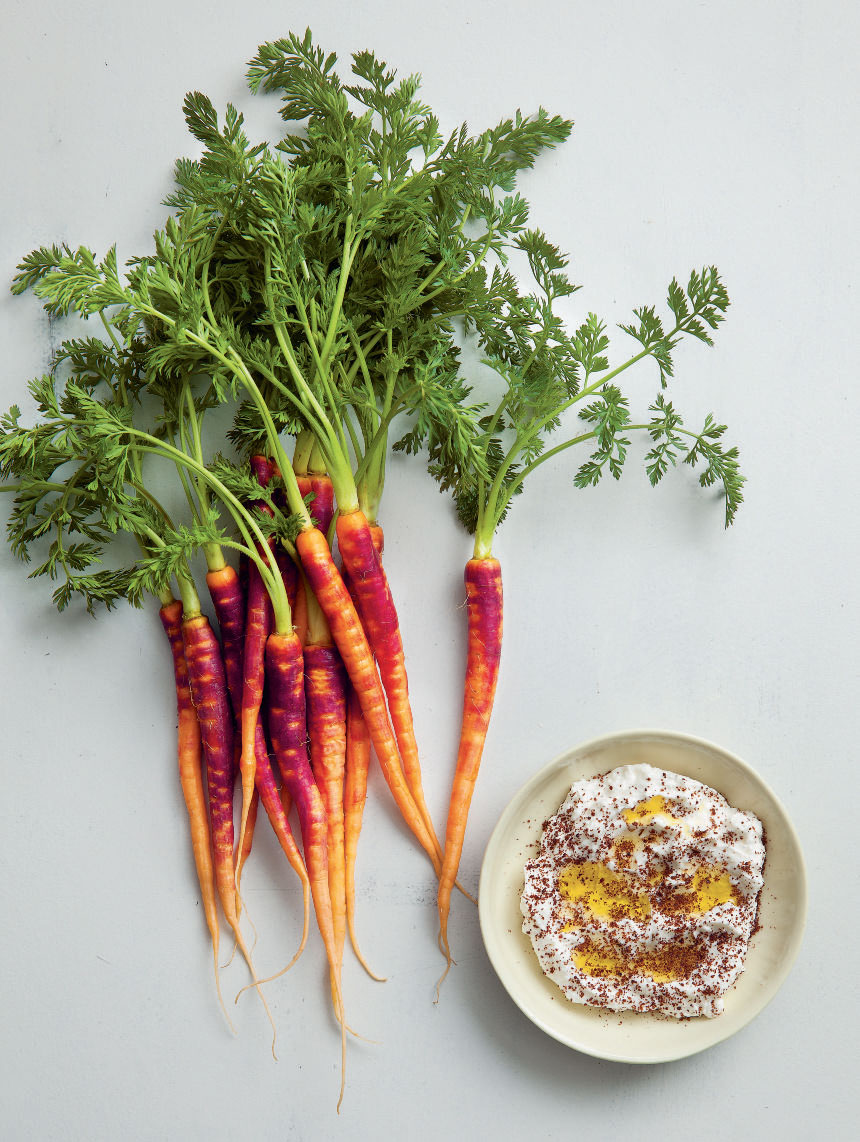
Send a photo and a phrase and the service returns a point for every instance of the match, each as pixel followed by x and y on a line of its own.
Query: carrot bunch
pixel 321 287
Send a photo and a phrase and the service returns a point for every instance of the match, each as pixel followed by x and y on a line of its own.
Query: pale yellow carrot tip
pixel 240 908
pixel 233 921
pixel 446 952
pixel 230 1023
pixel 299 950
pixel 337 997
pixel 466 893
pixel 357 952
pixel 257 983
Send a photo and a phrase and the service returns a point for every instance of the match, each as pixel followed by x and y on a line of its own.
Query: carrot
pixel 305 486
pixel 250 825
pixel 322 507
pixel 209 692
pixel 190 756
pixel 353 821
pixel 258 625
pixel 277 812
pixel 350 639
pixel 325 695
pixel 357 764
pixel 290 576
pixel 355 780
pixel 379 617
pixel 288 733
pixel 228 599
pixel 313 479
pixel 484 606
pixel 300 611
pixel 263 469
pixel 259 619
pixel 378 537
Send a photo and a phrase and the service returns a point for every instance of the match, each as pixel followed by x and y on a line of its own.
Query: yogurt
pixel 644 894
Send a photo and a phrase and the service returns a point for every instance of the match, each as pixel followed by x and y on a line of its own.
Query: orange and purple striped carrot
pixel 209 692
pixel 322 508
pixel 318 485
pixel 300 611
pixel 288 734
pixel 305 486
pixel 289 575
pixel 325 697
pixel 247 844
pixel 258 625
pixel 190 758
pixel 483 579
pixel 350 639
pixel 369 583
pixel 228 598
pixel 263 469
pixel 357 766
pixel 277 812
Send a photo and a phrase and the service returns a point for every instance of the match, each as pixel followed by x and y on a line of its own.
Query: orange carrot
pixel 322 507
pixel 286 800
pixel 209 692
pixel 277 811
pixel 288 732
pixel 349 637
pixel 300 611
pixel 325 695
pixel 290 576
pixel 484 607
pixel 357 764
pixel 259 620
pixel 378 614
pixel 190 757
pixel 248 842
pixel 229 601
pixel 357 767
pixel 258 624
pixel 228 598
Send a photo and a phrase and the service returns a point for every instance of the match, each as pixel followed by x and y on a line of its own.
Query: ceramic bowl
pixel 631 1037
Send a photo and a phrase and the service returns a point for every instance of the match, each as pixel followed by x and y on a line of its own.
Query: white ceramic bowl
pixel 630 1037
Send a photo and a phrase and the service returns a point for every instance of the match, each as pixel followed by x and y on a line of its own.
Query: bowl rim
pixel 511 816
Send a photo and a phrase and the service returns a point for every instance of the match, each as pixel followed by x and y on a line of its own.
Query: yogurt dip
pixel 644 894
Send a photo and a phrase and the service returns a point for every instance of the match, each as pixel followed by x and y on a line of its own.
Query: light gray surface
pixel 722 133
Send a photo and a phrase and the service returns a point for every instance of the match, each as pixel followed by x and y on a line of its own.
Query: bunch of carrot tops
pixel 322 288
